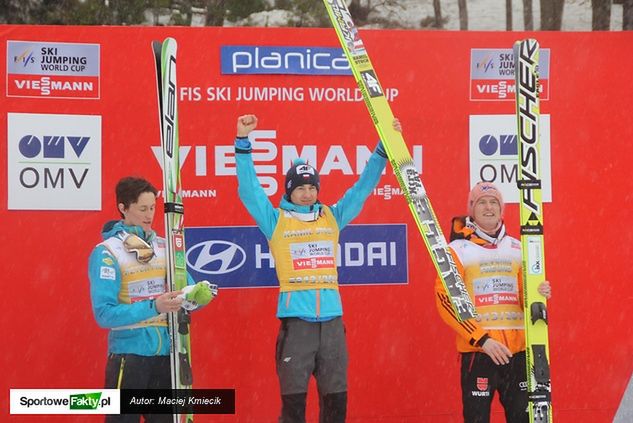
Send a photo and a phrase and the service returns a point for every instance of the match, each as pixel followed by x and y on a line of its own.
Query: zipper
pixel 120 379
pixel 160 340
pixel 318 303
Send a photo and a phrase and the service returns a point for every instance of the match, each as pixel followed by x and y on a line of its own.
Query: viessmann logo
pixel 53 70
pixel 295 60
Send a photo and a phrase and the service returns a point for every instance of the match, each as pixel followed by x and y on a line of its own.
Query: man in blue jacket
pixel 303 236
pixel 130 298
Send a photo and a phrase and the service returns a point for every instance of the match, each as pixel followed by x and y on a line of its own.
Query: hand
pixel 198 295
pixel 545 289
pixel 397 125
pixel 245 124
pixel 499 353
pixel 168 302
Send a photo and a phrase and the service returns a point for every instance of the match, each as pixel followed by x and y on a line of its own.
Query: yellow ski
pixel 400 158
pixel 526 57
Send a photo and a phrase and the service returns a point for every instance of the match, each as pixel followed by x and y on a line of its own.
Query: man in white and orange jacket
pixel 491 346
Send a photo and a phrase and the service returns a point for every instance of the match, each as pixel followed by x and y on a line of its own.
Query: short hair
pixel 130 188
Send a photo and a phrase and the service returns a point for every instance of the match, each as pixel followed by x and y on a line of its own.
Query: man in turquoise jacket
pixel 129 296
pixel 303 237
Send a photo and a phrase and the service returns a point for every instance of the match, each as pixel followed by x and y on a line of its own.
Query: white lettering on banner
pixel 349 254
pixel 266 156
pixel 260 58
pixel 45 85
pixel 501 87
pixel 270 94
pixel 218 93
pixel 195 193
pixel 483 300
pixel 247 93
pixel 261 256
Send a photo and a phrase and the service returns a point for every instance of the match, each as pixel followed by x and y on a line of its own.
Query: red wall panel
pixel 403 365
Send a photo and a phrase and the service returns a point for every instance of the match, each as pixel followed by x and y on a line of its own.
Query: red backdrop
pixel 403 365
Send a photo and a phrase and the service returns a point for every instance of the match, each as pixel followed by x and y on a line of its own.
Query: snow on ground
pixel 489 15
pixel 483 15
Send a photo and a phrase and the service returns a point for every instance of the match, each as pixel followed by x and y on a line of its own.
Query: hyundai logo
pixel 216 257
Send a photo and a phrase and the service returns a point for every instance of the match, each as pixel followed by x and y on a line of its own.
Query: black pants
pixel 130 371
pixel 481 377
pixel 306 349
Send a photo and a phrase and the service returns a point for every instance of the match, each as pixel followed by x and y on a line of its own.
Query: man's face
pixel 140 213
pixel 304 195
pixel 487 213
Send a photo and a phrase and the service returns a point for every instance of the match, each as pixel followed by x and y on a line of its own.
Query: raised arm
pixel 351 204
pixel 249 189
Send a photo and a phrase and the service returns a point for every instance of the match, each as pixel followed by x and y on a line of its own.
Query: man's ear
pixel 121 207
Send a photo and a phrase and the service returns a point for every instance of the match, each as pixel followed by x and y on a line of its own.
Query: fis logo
pixel 25 58
pixel 486 64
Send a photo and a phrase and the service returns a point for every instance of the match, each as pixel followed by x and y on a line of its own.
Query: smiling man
pixel 303 237
pixel 492 346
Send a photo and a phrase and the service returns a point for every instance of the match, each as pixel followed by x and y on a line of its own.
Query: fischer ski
pixel 400 158
pixel 526 57
pixel 178 322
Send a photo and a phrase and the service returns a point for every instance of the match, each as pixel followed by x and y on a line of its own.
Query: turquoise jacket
pixel 110 313
pixel 303 304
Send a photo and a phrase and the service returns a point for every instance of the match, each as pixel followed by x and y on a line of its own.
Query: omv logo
pixel 216 257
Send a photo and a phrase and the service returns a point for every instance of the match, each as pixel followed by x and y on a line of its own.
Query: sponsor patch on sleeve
pixel 107 273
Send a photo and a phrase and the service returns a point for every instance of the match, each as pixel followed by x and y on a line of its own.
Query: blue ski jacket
pixel 315 305
pixel 105 285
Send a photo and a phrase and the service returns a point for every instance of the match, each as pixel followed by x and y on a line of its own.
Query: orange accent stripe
pixel 318 302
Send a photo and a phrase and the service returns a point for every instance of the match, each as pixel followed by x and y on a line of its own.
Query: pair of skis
pixel 535 310
pixel 178 322
pixel 526 58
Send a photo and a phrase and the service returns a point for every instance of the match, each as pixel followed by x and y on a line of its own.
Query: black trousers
pixel 306 349
pixel 481 377
pixel 130 371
